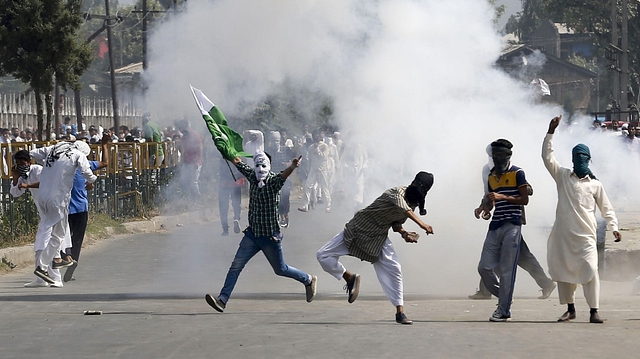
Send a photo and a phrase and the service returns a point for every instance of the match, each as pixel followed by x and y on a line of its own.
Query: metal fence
pixel 129 186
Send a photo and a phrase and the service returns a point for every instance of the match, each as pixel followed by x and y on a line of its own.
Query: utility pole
pixel 114 91
pixel 145 63
pixel 615 80
pixel 624 65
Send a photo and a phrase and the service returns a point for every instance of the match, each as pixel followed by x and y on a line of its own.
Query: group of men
pixel 58 181
pixel 572 254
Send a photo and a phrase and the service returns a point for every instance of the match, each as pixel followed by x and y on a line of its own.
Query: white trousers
pixel 320 178
pixel 567 292
pixel 387 267
pixel 53 273
pixel 56 243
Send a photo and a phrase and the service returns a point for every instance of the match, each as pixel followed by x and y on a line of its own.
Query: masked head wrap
pixel 580 156
pixel 66 148
pixel 262 167
pixel 417 190
pixel 23 155
pixel 501 155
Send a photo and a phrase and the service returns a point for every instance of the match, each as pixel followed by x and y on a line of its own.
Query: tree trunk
pixel 40 116
pixel 48 101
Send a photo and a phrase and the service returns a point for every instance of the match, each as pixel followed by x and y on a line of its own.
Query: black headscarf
pixel 417 190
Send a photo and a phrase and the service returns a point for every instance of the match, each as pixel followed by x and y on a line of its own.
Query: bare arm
pixel 295 163
pixel 521 199
pixel 106 138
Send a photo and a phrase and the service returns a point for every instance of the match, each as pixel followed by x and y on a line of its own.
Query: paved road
pixel 150 288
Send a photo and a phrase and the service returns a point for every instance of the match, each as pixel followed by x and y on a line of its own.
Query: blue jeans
pixel 249 246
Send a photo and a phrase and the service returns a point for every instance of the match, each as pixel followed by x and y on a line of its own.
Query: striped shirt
pixel 263 202
pixel 367 231
pixel 508 184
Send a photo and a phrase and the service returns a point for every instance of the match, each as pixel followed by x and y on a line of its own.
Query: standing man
pixel 572 248
pixel 153 133
pixel 79 207
pixel 366 236
pixel 318 154
pixel 507 193
pixel 263 233
pixel 253 141
pixel 230 183
pixel 60 164
pixel 526 259
pixel 281 156
pixel 191 160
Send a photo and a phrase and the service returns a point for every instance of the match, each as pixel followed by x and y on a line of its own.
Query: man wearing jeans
pixel 507 193
pixel 263 233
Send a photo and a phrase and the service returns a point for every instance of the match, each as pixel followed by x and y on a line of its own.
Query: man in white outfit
pixel 26 176
pixel 60 162
pixel 571 250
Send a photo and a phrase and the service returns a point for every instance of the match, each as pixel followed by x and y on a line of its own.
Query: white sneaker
pixel 56 284
pixel 36 284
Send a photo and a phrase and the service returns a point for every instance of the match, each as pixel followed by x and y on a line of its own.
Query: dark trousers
pixel 285 203
pixel 77 227
pixel 224 194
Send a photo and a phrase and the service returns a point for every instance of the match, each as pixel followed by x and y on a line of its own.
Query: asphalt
pixel 150 289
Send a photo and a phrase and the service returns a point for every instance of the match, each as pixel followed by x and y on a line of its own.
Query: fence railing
pixel 19 110
pixel 129 186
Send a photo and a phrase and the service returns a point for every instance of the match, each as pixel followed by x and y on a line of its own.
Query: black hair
pixel 22 155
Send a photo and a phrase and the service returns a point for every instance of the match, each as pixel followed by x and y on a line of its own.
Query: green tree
pixel 594 17
pixel 38 41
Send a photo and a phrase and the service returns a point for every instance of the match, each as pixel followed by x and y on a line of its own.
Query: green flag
pixel 228 141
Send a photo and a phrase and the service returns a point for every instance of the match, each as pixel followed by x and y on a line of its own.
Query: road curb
pixel 22 256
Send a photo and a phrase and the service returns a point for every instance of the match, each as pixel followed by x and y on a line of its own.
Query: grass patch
pixel 99 224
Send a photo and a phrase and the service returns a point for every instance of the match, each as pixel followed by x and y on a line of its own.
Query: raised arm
pixel 295 163
pixel 550 162
pixel 106 138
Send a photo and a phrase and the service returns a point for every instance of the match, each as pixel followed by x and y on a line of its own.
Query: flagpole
pixel 228 165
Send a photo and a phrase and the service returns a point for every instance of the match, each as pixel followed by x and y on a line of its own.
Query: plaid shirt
pixel 263 202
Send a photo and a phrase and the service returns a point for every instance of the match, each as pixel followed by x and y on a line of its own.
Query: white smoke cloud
pixel 414 80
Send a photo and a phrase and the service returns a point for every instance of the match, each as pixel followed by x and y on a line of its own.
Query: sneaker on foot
pixel 62 264
pixel 68 274
pixel 402 319
pixel 499 317
pixel 353 288
pixel 225 233
pixel 480 295
pixel 215 302
pixel 303 209
pixel 567 316
pixel 56 284
pixel 546 292
pixel 236 226
pixel 328 210
pixel 37 283
pixel 44 275
pixel 311 288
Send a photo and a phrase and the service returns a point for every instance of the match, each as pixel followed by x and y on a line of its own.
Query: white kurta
pixel 57 181
pixel 33 176
pixel 571 250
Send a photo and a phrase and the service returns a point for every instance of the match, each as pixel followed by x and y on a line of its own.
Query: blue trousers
pixel 250 245
pixel 501 249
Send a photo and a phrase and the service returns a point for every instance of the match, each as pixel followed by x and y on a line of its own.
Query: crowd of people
pixel 321 160
pixel 572 253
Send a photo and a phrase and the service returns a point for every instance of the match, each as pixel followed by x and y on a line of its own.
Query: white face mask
pixel 262 168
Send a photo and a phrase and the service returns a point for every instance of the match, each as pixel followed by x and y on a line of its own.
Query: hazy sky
pixel 407 80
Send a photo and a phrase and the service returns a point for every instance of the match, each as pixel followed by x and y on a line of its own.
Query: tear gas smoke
pixel 414 81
